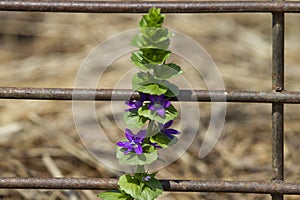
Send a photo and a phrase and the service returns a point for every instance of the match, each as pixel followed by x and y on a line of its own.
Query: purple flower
pixel 136 104
pixel 146 179
pixel 134 141
pixel 158 104
pixel 155 145
pixel 164 128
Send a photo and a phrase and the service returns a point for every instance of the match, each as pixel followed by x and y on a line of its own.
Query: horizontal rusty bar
pixel 124 94
pixel 143 6
pixel 169 185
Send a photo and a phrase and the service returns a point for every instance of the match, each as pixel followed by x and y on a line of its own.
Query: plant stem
pixel 152 129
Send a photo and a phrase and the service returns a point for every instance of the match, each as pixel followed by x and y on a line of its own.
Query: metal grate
pixel 277 96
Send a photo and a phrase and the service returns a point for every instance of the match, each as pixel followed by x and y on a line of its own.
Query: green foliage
pixel 166 71
pixel 172 91
pixel 152 129
pixel 134 120
pixel 146 83
pixel 149 156
pixel 130 185
pixel 140 189
pixel 143 57
pixel 171 113
pixel 162 140
pixel 115 196
pixel 152 19
pixel 155 38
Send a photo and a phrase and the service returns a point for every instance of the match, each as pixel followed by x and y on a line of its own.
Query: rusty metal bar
pixel 277 97
pixel 278 107
pixel 169 185
pixel 143 6
pixel 124 94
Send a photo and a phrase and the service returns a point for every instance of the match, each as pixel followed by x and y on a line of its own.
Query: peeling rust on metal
pixel 169 185
pixel 59 183
pixel 277 96
pixel 143 6
pixel 125 94
pixel 277 107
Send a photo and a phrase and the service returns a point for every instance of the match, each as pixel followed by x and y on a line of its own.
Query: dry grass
pixel 46 50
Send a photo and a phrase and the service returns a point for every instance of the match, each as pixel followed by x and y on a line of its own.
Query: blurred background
pixel 39 138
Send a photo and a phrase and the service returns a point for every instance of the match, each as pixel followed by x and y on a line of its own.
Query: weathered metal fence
pixel 277 96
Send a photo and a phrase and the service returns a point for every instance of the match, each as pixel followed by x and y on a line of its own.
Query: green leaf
pixel 144 42
pixel 155 34
pixel 163 140
pixel 140 189
pixel 140 79
pixel 144 82
pixel 137 60
pixel 153 89
pixel 154 56
pixel 133 120
pixel 130 185
pixel 147 148
pixel 151 189
pixel 114 196
pixel 154 183
pixel 166 71
pixel 134 159
pixel 155 38
pixel 152 19
pixel 152 129
pixel 146 56
pixel 172 90
pixel 150 194
pixel 171 113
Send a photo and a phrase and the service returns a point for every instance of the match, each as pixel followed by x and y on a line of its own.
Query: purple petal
pixel 151 107
pixel 120 144
pixel 160 97
pixel 168 124
pixel 129 134
pixel 139 149
pixel 169 135
pixel 152 98
pixel 167 103
pixel 138 104
pixel 128 150
pixel 124 144
pixel 141 135
pixel 143 97
pixel 130 103
pixel 155 145
pixel 147 178
pixel 172 131
pixel 139 140
pixel 161 112
pixel 134 105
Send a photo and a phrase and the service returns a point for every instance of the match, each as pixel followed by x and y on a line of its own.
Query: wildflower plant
pixel 152 110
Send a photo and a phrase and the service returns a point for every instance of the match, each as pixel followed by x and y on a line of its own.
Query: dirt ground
pixel 39 138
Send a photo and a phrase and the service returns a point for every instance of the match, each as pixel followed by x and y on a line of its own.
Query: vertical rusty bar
pixel 278 108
